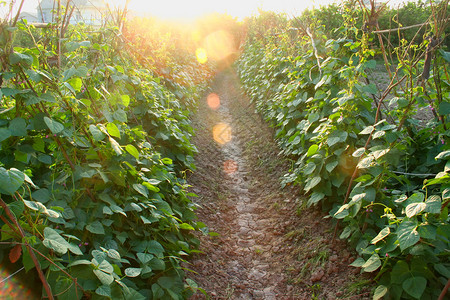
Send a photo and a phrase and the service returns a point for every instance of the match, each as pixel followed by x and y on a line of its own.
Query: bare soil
pixel 269 245
pixel 380 77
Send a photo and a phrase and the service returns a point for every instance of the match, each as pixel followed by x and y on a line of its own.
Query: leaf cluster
pixel 365 159
pixel 94 146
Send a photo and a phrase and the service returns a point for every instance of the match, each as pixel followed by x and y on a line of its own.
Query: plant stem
pixel 30 250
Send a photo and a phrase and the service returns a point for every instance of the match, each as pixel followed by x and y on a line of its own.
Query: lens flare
pixel 202 57
pixel 219 44
pixel 222 133
pixel 230 167
pixel 213 101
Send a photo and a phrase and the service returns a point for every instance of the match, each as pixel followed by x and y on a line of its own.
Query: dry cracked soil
pixel 265 244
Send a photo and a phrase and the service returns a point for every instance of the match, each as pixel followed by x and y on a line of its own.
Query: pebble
pixel 317 275
pixel 256 274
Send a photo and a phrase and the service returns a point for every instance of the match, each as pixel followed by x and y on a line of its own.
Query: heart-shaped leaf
pixel 10 180
pixel 54 126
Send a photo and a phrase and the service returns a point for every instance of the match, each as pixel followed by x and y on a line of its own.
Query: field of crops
pixel 96 149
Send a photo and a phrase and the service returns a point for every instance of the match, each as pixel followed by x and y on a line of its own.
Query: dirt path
pixel 264 250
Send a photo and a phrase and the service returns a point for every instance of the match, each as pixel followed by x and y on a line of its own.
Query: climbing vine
pixel 94 147
pixel 357 147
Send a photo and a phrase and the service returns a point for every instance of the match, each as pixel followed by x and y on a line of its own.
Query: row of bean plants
pixel 357 148
pixel 94 147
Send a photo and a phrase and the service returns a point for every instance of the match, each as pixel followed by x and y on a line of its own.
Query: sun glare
pixel 201 55
pixel 213 101
pixel 222 133
pixel 219 44
pixel 181 10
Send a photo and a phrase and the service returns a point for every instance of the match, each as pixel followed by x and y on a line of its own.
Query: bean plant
pixel 94 149
pixel 357 147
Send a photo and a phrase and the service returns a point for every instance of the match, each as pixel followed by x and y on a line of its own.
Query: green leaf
pixel 141 189
pixel 379 153
pixel 117 209
pixel 312 150
pixel 357 198
pixel 381 235
pixel 75 249
pixel 315 198
pixel 144 257
pixel 366 162
pixel 331 165
pixel 157 264
pixel 45 159
pixel 145 220
pixel 53 240
pixel 324 80
pixel 133 272
pixel 4 134
pixel 41 195
pixel 415 286
pixel 443 155
pixel 103 290
pixel 80 262
pixel 371 64
pixel 54 126
pixel 342 212
pixel 10 180
pixel 414 209
pixel 359 262
pixel 115 145
pixel 312 182
pixel 370 89
pixel 106 267
pixel 125 100
pixel 380 291
pixel 120 116
pixel 97 134
pixel 157 291
pixel 18 127
pixel 427 231
pixel 337 136
pixel 155 247
pixel 399 272
pixel 104 278
pixel 75 83
pixel 402 102
pixel 113 130
pixel 359 152
pixel 444 108
pixel 166 282
pixel 407 234
pixel 367 130
pixel 186 226
pixel 445 55
pixel 442 269
pixel 309 168
pixel 95 227
pixel 32 205
pixel 114 254
pixel 16 58
pixel 379 134
pixel 372 264
pixel 132 150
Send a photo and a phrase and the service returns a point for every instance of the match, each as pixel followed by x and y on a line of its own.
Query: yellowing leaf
pixel 113 130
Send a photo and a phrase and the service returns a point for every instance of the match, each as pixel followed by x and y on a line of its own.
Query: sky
pixel 191 9
pixel 188 10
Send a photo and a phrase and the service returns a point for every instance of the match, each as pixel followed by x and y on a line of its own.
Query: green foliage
pixel 93 154
pixel 381 173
